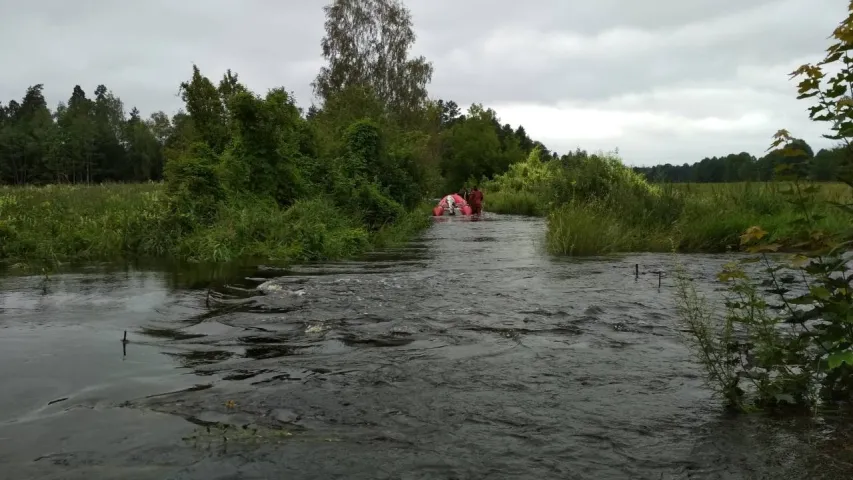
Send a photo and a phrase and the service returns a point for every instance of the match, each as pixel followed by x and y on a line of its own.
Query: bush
pixel 193 186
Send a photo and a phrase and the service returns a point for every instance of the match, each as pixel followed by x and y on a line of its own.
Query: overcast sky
pixel 663 81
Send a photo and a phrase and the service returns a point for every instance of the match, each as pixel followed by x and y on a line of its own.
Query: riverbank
pixel 118 222
pixel 691 218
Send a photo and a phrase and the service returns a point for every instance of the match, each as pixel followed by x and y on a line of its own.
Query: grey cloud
pixel 143 50
pixel 800 28
pixel 478 16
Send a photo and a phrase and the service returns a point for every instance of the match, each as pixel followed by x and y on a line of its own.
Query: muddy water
pixel 468 354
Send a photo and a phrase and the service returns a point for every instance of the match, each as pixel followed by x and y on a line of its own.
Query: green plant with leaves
pixel 790 343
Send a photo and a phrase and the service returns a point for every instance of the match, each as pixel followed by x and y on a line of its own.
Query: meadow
pixel 78 223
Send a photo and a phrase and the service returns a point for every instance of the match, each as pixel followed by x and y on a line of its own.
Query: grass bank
pixel 595 205
pixel 55 224
pixel 710 218
pixel 515 203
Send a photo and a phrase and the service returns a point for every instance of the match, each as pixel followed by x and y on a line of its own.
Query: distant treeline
pixel 824 166
pixel 94 140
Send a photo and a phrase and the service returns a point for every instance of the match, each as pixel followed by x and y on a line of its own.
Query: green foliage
pixel 477 146
pixel 517 203
pixel 632 215
pixel 57 224
pixel 259 229
pixel 787 340
pixel 363 149
pixel 250 175
pixel 263 154
pixel 594 203
pixel 64 223
pixel 785 345
pixel 367 44
pixel 193 186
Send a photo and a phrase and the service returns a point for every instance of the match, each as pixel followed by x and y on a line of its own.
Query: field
pixel 685 217
pixel 63 223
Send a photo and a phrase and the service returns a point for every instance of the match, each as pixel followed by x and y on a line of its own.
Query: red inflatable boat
pixel 452 204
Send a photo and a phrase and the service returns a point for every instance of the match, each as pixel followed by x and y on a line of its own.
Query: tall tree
pixel 367 43
pixel 29 142
pixel 110 154
pixel 144 152
pixel 160 126
pixel 205 106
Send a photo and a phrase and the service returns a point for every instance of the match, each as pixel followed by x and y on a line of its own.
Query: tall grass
pixel 691 218
pixel 78 222
pixel 594 204
pixel 714 215
pixel 582 229
pixel 517 203
pixel 131 221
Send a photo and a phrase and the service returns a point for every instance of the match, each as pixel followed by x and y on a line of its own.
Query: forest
pixel 823 166
pixel 91 139
pixel 94 139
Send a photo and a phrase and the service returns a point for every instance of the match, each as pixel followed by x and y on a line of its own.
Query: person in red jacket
pixel 475 199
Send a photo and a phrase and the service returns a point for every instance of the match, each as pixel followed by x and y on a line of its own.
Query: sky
pixel 663 82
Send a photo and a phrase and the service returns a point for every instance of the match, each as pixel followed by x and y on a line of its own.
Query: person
pixel 476 200
pixel 464 193
pixel 451 204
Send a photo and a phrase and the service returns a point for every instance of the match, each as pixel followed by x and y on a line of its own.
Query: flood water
pixel 468 354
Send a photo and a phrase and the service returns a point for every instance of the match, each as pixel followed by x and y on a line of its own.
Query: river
pixel 468 354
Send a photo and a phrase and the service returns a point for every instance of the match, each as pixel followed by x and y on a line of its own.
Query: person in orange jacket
pixel 475 199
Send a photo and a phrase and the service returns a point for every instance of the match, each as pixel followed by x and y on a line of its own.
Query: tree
pixel 28 141
pixel 367 44
pixel 205 106
pixel 110 154
pixel 450 113
pixel 160 126
pixel 144 152
pixel 473 148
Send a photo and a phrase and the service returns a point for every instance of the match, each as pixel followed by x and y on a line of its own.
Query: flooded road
pixel 468 354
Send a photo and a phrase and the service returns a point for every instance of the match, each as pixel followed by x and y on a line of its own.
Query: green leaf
pixel 802 300
pixel 836 359
pixel 834 57
pixel 820 293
